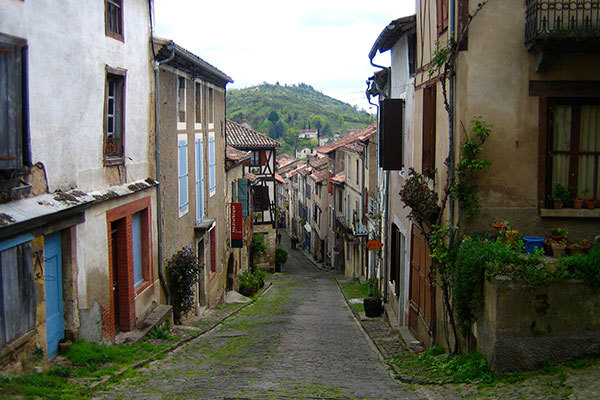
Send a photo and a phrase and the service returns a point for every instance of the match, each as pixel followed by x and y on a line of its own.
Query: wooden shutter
pixel 263 157
pixel 429 115
pixel 260 198
pixel 243 196
pixel 391 148
pixel 213 250
pixel 11 106
pixel 442 15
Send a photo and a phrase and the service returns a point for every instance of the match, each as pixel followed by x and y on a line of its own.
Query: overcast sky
pixel 324 43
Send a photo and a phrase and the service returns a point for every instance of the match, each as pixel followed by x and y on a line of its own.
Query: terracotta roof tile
pixel 236 155
pixel 240 136
pixel 355 137
pixel 338 178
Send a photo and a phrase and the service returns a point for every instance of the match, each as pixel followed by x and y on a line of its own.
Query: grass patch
pixel 354 289
pixel 435 367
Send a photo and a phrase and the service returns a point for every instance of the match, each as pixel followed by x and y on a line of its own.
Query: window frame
pixel 199 169
pixel 181 123
pixel 574 152
pixel 119 35
pixel 119 76
pixel 429 129
pixel 182 175
pixel 211 107
pixel 198 91
pixel 212 178
pixel 441 7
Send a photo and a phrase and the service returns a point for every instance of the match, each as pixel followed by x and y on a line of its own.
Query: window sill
pixel 570 213
pixel 141 288
pixel 112 161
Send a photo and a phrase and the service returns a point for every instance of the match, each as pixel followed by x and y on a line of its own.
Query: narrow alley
pixel 298 341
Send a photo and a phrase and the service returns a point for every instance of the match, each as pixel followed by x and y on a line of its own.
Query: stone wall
pixel 521 327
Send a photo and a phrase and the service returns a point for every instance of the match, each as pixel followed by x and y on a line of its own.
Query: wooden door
pixel 421 299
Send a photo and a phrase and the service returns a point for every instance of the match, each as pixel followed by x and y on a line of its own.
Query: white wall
pixel 67 54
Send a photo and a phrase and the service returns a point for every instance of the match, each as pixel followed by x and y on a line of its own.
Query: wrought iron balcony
pixel 557 20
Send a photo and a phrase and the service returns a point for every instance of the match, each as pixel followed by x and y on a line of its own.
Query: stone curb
pixel 156 356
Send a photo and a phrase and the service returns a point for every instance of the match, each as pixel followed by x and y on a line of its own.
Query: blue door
pixel 55 329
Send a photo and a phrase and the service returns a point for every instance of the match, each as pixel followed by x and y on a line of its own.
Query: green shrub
pixel 251 280
pixel 281 256
pixel 584 266
pixel 183 271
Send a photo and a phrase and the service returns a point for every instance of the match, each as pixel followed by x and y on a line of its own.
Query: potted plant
pixel 577 202
pixel 500 226
pixel 280 258
pixel 558 234
pixel 558 248
pixel 372 303
pixel 560 194
pixel 590 204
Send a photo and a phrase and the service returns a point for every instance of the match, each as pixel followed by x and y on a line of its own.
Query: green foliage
pixel 560 192
pixel 435 366
pixel 469 165
pixel 373 289
pixel 441 56
pixel 297 106
pixel 252 280
pixel 584 266
pixel 183 271
pixel 281 256
pixel 160 333
pixel 259 245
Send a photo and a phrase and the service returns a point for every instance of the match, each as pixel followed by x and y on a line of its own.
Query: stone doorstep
pixel 156 318
pixel 391 318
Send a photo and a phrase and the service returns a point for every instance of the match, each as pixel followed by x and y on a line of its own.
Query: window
pixel 428 156
pixel 198 105
pixel 211 108
pixel 114 18
pixel 199 178
pixel 182 159
pixel 17 289
pixel 13 125
pixel 114 121
pixel 574 146
pixel 256 158
pixel 212 180
pixel 331 217
pixel 442 15
pixel 340 201
pixel 391 146
pixel 181 102
pixel 357 172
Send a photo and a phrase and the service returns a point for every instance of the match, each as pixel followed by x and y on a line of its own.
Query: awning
pixel 307 228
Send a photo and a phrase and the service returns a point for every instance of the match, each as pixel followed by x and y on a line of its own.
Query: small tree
pixel 183 271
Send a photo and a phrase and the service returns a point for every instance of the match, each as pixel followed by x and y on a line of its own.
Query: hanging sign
pixel 237 226
pixel 374 244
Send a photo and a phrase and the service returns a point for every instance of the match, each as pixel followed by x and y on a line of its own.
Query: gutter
pixel 156 67
pixel 451 161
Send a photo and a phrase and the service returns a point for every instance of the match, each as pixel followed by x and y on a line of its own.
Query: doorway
pixel 55 323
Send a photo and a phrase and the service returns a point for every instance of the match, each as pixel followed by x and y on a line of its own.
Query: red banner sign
pixel 237 225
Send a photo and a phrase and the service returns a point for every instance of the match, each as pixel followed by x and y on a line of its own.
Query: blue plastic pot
pixel 532 243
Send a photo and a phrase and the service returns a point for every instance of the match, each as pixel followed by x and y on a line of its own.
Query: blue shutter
pixel 199 180
pixel 211 162
pixel 183 175
pixel 243 195
pixel 136 242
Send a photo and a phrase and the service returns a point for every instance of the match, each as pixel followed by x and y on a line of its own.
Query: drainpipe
pixel 452 40
pixel 156 66
pixel 386 189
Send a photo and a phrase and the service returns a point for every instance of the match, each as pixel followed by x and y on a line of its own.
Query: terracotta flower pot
pixel 577 203
pixel 558 204
pixel 590 204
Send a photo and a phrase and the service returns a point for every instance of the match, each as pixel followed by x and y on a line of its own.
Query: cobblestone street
pixel 298 341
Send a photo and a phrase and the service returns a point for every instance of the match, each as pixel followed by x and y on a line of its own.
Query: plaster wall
pixel 93 280
pixel 66 105
pixel 495 85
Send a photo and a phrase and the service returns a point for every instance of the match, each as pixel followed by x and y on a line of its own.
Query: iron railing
pixel 546 19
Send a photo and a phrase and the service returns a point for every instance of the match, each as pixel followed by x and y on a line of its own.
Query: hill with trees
pixel 281 111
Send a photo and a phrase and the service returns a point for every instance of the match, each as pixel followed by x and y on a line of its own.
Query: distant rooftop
pixel 349 141
pixel 242 137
